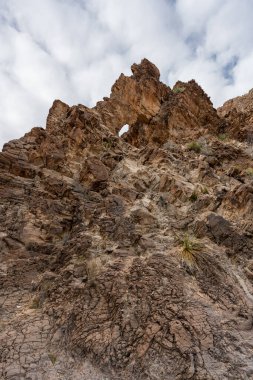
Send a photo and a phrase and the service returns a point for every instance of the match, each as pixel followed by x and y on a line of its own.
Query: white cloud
pixel 75 49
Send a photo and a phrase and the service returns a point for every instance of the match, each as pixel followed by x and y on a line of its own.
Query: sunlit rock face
pixel 126 238
pixel 238 113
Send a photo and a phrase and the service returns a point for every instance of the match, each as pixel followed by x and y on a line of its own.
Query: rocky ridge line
pixel 129 257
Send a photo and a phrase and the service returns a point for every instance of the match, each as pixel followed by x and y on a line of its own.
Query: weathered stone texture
pixel 129 257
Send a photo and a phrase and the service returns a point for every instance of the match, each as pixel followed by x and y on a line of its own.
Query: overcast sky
pixel 74 50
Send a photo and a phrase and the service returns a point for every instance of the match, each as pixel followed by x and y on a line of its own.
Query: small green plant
pixel 190 246
pixel 53 358
pixel 249 172
pixel 195 146
pixel 177 90
pixel 108 143
pixel 204 190
pixel 222 137
pixel 193 197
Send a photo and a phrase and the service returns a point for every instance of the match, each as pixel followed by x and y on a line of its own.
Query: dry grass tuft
pixel 93 268
pixel 249 172
pixel 194 146
pixel 190 247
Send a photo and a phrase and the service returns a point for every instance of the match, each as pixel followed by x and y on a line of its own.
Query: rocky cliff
pixel 129 257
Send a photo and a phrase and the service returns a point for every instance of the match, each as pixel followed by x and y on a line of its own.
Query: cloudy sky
pixel 74 50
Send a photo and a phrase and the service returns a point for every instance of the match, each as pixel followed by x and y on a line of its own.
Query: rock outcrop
pixel 238 113
pixel 129 257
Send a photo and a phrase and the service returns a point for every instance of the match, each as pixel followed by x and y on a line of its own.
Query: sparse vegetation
pixel 93 268
pixel 53 358
pixel 204 190
pixel 108 143
pixel 195 146
pixel 35 304
pixel 222 137
pixel 249 172
pixel 178 90
pixel 193 197
pixel 190 246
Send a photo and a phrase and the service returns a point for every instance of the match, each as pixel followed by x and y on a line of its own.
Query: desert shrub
pixel 195 146
pixel 52 358
pixel 222 136
pixel 249 172
pixel 177 90
pixel 108 143
pixel 190 247
pixel 204 190
pixel 35 304
pixel 193 197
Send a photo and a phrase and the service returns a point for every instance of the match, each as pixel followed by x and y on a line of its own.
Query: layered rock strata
pixel 129 257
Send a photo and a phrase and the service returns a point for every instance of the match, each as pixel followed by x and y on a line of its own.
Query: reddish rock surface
pixel 238 113
pixel 129 257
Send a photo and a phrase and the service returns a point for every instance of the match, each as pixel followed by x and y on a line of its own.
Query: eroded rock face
pixel 186 113
pixel 238 112
pixel 127 258
pixel 135 98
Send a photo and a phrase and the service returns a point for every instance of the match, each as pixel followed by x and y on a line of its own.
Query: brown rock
pixel 102 275
pixel 133 98
pixel 238 113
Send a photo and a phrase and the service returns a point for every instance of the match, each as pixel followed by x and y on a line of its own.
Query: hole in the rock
pixel 124 129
